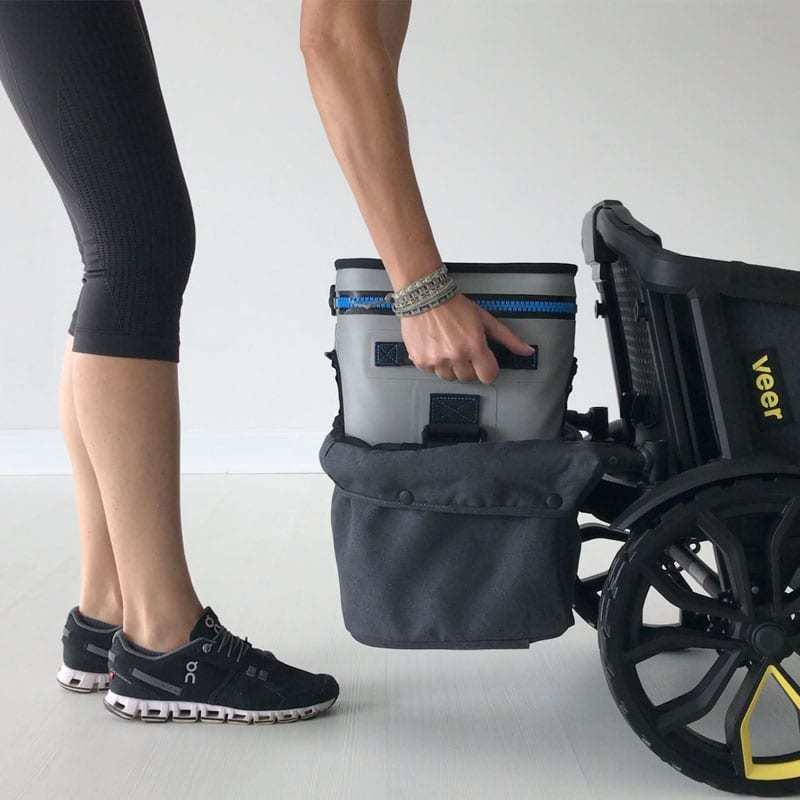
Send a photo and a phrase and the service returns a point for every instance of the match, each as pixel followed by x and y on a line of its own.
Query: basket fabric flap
pixel 532 478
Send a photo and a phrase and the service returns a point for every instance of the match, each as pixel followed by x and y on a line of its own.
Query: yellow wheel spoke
pixel 741 714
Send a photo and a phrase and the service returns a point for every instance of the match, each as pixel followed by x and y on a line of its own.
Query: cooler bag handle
pixel 395 354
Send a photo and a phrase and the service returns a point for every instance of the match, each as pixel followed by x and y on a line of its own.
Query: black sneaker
pixel 86 645
pixel 216 677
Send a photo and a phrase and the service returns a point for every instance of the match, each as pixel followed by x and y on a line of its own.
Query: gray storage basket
pixel 386 399
pixel 459 546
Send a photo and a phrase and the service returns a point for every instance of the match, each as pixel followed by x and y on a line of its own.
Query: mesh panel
pixel 637 339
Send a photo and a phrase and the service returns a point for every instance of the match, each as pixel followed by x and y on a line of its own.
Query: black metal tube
pixel 622 459
pixel 697 568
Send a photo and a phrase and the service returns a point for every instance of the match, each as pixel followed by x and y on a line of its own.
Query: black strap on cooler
pixel 338 422
pixel 394 354
pixel 454 418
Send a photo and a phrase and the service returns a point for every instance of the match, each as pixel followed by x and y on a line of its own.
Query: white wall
pixel 523 114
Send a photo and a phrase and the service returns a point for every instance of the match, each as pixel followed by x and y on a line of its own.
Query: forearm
pixel 354 83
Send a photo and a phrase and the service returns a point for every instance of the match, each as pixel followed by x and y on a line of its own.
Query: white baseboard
pixel 41 452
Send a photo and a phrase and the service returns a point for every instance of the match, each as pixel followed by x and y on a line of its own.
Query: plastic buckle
pixel 452 433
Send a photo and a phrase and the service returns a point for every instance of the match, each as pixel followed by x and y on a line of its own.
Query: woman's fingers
pixel 503 334
pixel 445 371
pixel 485 366
pixel 464 371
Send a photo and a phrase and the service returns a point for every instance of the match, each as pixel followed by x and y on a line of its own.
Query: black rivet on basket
pixel 553 501
pixel 405 497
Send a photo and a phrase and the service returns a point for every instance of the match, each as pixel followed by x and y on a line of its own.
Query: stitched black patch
pixel 771 404
pixel 391 354
pixel 455 409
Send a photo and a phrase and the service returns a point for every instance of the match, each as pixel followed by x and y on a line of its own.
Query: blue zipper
pixel 364 301
pixel 491 304
pixel 498 304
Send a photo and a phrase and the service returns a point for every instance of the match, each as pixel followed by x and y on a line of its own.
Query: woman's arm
pixel 352 51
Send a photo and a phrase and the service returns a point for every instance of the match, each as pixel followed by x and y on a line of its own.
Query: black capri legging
pixel 82 78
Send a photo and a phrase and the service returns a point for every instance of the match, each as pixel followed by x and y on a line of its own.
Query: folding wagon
pixel 457 539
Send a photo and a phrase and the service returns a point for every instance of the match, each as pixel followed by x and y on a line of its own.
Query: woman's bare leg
pixel 100 595
pixel 127 411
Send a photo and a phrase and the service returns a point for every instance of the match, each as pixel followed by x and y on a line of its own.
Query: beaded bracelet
pixel 423 294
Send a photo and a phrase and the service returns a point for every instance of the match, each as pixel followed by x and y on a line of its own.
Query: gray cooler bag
pixel 385 398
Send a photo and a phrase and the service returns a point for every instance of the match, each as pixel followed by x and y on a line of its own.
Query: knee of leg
pixel 169 266
pixel 181 235
pixel 137 267
pixel 159 251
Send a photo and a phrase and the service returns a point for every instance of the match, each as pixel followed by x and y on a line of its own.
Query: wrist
pixel 423 294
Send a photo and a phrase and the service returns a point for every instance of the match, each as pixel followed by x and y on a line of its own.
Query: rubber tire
pixel 615 604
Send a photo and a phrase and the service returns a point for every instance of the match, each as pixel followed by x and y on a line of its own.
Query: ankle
pixel 106 607
pixel 161 629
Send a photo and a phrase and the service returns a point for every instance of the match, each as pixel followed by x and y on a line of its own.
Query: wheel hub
pixel 770 640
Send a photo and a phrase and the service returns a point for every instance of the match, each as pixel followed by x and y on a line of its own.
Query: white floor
pixel 519 724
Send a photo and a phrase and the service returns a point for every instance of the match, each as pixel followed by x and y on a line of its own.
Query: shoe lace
pixel 224 638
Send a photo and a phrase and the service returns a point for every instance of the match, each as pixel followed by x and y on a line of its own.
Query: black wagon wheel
pixel 699 633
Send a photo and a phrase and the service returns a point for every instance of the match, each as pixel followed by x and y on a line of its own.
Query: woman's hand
pixel 451 341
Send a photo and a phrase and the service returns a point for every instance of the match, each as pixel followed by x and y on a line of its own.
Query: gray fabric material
pixel 462 546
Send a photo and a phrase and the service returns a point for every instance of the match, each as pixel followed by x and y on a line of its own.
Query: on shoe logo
pixel 191 672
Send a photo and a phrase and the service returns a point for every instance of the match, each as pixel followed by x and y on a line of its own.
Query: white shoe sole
pixel 132 708
pixel 76 680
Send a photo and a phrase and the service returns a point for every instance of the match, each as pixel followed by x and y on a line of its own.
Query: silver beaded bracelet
pixel 423 294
